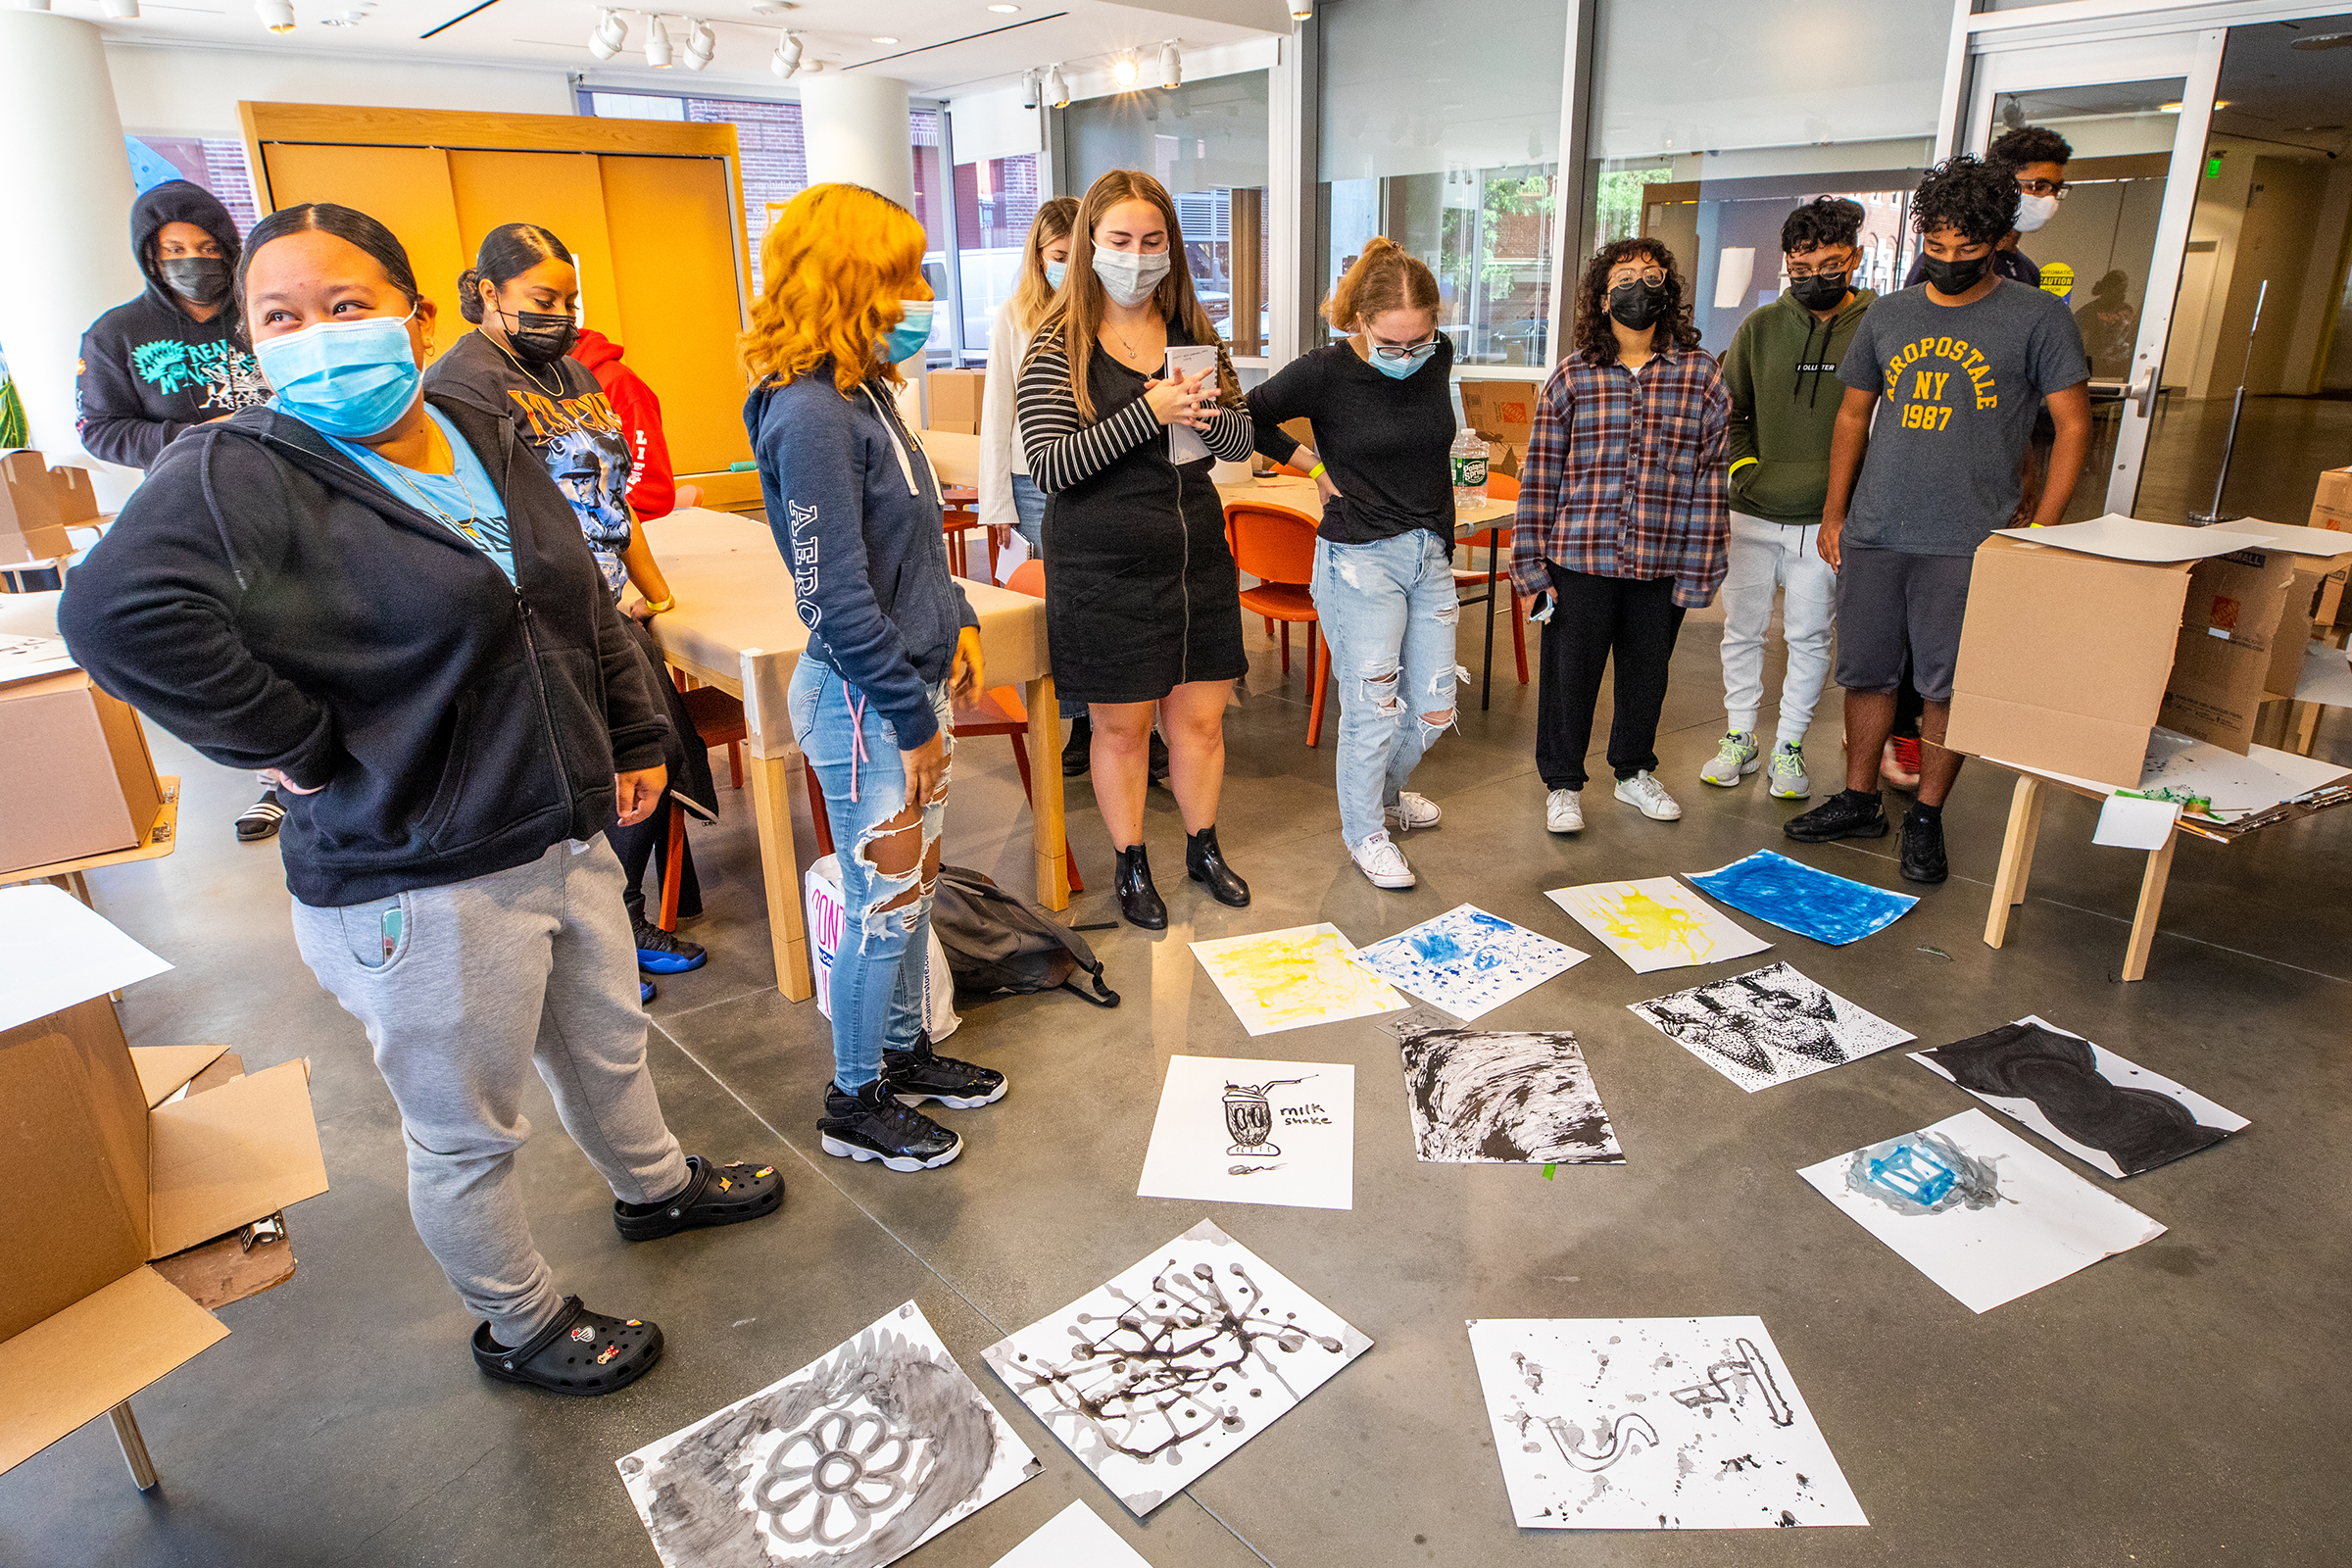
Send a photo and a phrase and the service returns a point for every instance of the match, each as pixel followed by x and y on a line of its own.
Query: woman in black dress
pixel 1142 601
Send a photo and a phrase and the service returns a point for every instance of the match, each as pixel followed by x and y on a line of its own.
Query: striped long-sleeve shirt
pixel 1624 475
pixel 1065 450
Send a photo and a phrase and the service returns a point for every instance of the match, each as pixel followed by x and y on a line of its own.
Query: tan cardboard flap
pixel 164 1068
pixel 226 1158
pixel 2110 751
pixel 72 1368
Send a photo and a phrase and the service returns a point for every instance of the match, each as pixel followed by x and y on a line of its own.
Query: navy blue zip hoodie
pixel 855 510
pixel 264 600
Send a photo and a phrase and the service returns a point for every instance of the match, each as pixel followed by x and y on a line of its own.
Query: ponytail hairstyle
pixel 836 261
pixel 1033 293
pixel 1385 277
pixel 508 252
pixel 346 224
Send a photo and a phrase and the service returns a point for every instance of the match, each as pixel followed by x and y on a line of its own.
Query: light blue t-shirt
pixel 466 498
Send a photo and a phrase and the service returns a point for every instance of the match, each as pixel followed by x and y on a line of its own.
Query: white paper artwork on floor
pixel 1657 923
pixel 1654 1423
pixel 1076 1537
pixel 1239 1129
pixel 1277 980
pixel 1768 1026
pixel 1153 1378
pixel 1978 1209
pixel 1476 1097
pixel 851 1462
pixel 1468 961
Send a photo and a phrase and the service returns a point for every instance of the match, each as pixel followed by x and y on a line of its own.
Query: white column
pixel 67 196
pixel 854 127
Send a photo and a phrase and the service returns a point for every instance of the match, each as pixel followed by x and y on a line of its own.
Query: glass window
pixel 996 201
pixel 218 165
pixel 1446 139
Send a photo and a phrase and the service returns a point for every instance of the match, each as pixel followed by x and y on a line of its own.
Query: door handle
pixel 2145 393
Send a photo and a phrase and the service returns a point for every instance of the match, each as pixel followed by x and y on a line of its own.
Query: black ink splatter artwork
pixel 1235 1130
pixel 851 1462
pixel 1481 1098
pixel 1158 1375
pixel 1768 1026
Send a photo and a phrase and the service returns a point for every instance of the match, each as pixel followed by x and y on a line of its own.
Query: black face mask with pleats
pixel 540 338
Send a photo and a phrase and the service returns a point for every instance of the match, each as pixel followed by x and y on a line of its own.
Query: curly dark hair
pixel 1594 338
pixel 1976 198
pixel 2030 144
pixel 1822 221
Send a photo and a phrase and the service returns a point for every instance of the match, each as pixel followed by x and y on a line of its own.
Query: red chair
pixel 1276 544
pixel 1496 542
pixel 717 721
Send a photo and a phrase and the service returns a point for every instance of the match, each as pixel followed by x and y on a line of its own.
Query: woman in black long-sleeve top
pixel 1141 600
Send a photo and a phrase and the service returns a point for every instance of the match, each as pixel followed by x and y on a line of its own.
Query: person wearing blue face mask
pixel 382 600
pixel 1382 403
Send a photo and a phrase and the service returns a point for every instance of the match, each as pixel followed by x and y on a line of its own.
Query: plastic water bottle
pixel 1469 456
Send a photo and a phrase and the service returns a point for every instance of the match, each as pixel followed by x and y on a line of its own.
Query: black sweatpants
pixel 1638 621
pixel 645 843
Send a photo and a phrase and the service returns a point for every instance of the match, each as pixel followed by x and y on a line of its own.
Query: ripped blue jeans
pixel 1389 609
pixel 881 972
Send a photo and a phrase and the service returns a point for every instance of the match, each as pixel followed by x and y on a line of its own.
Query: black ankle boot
pixel 1139 900
pixel 1077 753
pixel 1205 862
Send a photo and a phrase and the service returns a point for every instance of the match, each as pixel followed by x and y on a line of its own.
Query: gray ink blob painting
pixel 1476 1097
pixel 1654 1423
pixel 2107 1112
pixel 1153 1378
pixel 1768 1026
pixel 851 1462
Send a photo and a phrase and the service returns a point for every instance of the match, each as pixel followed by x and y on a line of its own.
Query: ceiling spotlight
pixel 886 40
pixel 1171 66
pixel 787 55
pixel 1301 10
pixel 1122 71
pixel 277 15
pixel 1057 91
pixel 1006 11
pixel 701 45
pixel 120 10
pixel 611 33
pixel 1028 89
pixel 657 44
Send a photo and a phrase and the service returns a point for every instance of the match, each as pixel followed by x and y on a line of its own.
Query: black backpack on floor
pixel 997 942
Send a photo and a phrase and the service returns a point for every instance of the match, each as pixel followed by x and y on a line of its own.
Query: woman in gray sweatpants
pixel 374 598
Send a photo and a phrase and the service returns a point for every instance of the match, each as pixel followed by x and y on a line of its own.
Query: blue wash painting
pixel 1796 898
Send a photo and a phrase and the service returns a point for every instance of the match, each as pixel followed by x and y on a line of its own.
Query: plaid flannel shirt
pixel 1624 475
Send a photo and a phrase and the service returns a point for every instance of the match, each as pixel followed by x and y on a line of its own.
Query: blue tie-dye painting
pixel 1796 898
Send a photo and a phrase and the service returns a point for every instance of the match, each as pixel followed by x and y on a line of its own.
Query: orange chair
pixel 1276 544
pixel 717 721
pixel 1496 542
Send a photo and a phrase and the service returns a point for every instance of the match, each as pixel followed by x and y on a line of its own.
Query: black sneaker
pixel 660 951
pixel 1840 816
pixel 871 1125
pixel 922 1073
pixel 1159 765
pixel 1922 847
pixel 1077 753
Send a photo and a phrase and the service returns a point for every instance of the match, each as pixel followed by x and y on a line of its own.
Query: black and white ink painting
pixel 1239 1129
pixel 2110 1113
pixel 1153 1378
pixel 1768 1026
pixel 1654 1423
pixel 851 1462
pixel 1478 1096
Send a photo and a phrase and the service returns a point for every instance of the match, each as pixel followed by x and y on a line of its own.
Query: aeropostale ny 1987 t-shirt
pixel 1958 386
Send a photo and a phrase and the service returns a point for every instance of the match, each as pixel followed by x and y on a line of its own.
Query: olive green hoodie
pixel 1781 371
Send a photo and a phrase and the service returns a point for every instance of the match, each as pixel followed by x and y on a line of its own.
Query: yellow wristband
pixel 1737 466
pixel 1315 472
pixel 663 606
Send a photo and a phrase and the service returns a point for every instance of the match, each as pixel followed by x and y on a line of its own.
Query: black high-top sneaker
pixel 871 1125
pixel 922 1073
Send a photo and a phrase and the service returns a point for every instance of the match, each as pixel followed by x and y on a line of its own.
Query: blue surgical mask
pixel 1055 272
pixel 1407 361
pixel 352 379
pixel 908 338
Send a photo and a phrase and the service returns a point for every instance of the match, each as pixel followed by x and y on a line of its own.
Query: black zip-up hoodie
pixel 264 600
pixel 149 370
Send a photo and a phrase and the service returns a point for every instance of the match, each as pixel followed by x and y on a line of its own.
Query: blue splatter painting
pixel 1469 962
pixel 1796 898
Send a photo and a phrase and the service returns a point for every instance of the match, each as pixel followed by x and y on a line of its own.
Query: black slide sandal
pixel 580 1354
pixel 715 1195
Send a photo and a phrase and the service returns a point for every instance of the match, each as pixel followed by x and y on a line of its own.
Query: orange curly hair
pixel 836 263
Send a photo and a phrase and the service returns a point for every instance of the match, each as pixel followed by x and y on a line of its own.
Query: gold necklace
pixel 555 391
pixel 1133 352
pixel 457 471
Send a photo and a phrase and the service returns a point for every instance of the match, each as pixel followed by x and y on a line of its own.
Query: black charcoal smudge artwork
pixel 1923 1173
pixel 1480 1097
pixel 2141 1129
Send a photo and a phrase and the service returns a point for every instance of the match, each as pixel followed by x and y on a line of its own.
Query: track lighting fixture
pixel 1057 91
pixel 787 59
pixel 1171 66
pixel 1301 10
pixel 1028 89
pixel 612 31
pixel 1123 71
pixel 657 44
pixel 120 10
pixel 277 15
pixel 701 45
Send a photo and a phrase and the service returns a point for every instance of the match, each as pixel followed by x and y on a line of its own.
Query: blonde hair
pixel 1386 278
pixel 837 262
pixel 1033 294
pixel 1074 321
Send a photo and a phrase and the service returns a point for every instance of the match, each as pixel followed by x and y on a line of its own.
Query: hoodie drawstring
pixel 857 752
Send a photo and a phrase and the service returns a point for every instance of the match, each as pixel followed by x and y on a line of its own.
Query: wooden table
pixel 736 628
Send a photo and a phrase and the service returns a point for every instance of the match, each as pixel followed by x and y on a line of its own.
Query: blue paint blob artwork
pixel 1912 1172
pixel 1794 897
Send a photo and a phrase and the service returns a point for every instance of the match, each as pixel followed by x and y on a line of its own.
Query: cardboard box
pixel 1503 413
pixel 31 528
pixel 2331 507
pixel 77 499
pixel 75 772
pixel 955 398
pixel 109 1168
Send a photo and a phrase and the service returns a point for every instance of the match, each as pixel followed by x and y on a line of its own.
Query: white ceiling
pixel 943 46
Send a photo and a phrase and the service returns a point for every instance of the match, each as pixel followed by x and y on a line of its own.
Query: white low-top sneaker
pixel 1412 811
pixel 1644 794
pixel 1564 810
pixel 1382 862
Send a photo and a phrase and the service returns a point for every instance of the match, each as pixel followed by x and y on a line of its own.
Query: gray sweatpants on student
pixel 471 986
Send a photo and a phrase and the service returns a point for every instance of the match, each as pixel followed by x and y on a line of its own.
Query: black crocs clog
pixel 580 1354
pixel 715 1195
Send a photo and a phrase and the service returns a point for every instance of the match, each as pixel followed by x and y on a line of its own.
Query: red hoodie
pixel 653 490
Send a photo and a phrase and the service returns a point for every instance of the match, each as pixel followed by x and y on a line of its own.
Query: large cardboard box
pixel 2331 507
pixel 76 773
pixel 32 526
pixel 77 498
pixel 109 1168
pixel 955 398
pixel 1503 414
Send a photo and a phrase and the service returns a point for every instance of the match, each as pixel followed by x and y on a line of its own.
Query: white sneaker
pixel 1789 781
pixel 1382 862
pixel 1564 810
pixel 1734 760
pixel 1644 794
pixel 1412 811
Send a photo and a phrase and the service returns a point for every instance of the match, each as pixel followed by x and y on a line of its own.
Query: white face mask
pixel 1129 276
pixel 2034 211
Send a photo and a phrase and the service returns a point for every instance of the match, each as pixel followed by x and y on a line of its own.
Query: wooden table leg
pixel 771 810
pixel 1050 831
pixel 2017 857
pixel 134 1447
pixel 2151 904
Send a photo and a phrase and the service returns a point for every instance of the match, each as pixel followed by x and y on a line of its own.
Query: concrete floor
pixel 2182 1404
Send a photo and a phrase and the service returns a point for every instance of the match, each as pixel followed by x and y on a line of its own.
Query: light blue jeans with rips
pixel 1389 609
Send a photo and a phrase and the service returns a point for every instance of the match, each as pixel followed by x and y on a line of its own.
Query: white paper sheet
pixel 1151 1378
pixel 1735 270
pixel 2237 786
pixel 1654 1423
pixel 23 657
pixel 56 950
pixel 1999 1218
pixel 2326 674
pixel 1235 1130
pixel 1655 923
pixel 2320 542
pixel 1010 553
pixel 1768 1026
pixel 1277 980
pixel 2121 538
pixel 1076 1537
pixel 1468 961
pixel 1183 442
pixel 2127 822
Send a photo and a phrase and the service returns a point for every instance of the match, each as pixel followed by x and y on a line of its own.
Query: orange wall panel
pixel 560 192
pixel 405 188
pixel 671 224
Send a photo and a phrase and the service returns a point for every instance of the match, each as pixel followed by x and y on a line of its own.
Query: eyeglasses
pixel 2043 187
pixel 1820 272
pixel 1649 276
pixel 1407 351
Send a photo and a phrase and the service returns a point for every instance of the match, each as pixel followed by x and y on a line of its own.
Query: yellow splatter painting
pixel 1655 923
pixel 1277 980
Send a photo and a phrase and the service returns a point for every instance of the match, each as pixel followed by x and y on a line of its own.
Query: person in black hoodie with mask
pixel 384 601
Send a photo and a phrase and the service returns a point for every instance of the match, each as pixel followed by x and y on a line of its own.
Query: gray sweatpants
pixel 463 989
